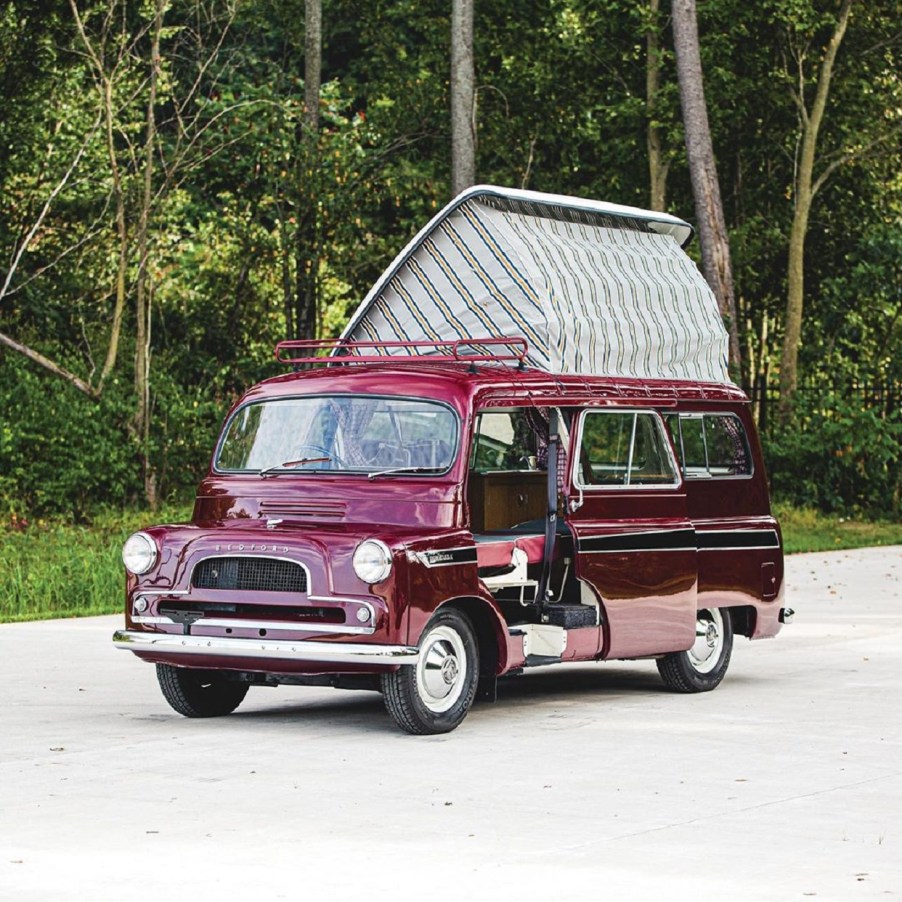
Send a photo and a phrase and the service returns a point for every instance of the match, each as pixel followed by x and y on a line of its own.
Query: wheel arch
pixel 490 629
pixel 743 619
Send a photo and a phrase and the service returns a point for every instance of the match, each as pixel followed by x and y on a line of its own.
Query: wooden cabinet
pixel 502 499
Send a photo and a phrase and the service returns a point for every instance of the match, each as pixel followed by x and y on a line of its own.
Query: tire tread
pixel 400 705
pixel 399 687
pixel 182 690
pixel 679 675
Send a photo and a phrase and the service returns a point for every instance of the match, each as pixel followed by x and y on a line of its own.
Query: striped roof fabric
pixel 594 288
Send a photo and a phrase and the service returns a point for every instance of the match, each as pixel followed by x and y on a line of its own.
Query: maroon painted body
pixel 643 558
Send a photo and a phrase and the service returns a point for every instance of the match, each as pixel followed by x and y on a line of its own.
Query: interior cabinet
pixel 501 499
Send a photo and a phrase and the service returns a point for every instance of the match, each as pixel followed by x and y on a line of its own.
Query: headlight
pixel 139 553
pixel 372 561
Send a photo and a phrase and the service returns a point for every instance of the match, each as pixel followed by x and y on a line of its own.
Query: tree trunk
pixel 307 266
pixel 104 81
pixel 657 164
pixel 285 259
pixel 463 98
pixel 313 65
pixel 121 232
pixel 803 195
pixel 713 236
pixel 143 289
pixel 307 253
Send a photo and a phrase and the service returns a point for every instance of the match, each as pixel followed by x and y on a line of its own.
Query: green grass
pixel 809 530
pixel 61 570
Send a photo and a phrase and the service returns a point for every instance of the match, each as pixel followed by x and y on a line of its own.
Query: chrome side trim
pixel 741 548
pixel 342 599
pixel 140 592
pixel 295 626
pixel 279 650
pixel 639 550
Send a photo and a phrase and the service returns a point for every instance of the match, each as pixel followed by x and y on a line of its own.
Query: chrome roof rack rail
pixel 331 351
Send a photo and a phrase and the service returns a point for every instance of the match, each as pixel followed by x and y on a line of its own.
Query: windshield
pixel 346 433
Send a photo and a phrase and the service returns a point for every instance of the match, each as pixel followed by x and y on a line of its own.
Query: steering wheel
pixel 329 456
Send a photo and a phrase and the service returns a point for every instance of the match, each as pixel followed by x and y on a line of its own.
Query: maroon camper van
pixel 417 509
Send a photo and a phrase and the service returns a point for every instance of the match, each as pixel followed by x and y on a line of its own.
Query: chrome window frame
pixel 629 487
pixel 357 472
pixel 708 475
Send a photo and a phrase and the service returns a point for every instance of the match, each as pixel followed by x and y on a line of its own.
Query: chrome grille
pixel 250 574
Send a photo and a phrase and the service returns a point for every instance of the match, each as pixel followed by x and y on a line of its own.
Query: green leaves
pixel 837 454
pixel 561 106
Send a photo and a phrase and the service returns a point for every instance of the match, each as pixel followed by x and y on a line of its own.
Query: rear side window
pixel 624 448
pixel 710 445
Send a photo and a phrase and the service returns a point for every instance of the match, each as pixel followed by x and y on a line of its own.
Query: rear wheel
pixel 200 693
pixel 435 694
pixel 703 666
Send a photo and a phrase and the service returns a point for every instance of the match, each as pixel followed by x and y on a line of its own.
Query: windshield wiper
pixel 275 469
pixel 403 470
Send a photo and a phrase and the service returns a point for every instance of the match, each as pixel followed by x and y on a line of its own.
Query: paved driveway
pixel 587 782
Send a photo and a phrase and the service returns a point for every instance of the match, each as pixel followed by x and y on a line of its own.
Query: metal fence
pixel 884 398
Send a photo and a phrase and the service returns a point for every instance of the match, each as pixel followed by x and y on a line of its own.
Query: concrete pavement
pixel 584 781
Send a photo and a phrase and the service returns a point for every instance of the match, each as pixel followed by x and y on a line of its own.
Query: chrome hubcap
pixel 449 670
pixel 705 653
pixel 441 670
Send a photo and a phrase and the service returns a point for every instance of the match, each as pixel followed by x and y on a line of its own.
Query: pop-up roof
pixel 593 288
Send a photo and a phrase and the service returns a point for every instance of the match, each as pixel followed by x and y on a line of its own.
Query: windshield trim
pixel 357 471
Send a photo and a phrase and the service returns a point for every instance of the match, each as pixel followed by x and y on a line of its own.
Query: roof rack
pixel 341 350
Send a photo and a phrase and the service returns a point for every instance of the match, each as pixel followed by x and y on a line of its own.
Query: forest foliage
pixel 161 202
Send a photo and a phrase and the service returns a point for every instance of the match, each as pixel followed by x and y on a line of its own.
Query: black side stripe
pixel 665 540
pixel 681 540
pixel 717 540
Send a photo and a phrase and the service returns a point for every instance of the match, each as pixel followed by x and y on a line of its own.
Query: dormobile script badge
pixel 577 481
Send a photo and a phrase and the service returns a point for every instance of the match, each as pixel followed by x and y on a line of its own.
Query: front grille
pixel 250 574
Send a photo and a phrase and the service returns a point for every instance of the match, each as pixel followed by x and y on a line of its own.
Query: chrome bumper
pixel 221 647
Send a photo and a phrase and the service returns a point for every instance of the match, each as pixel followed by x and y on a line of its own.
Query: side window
pixel 624 448
pixel 695 455
pixel 710 445
pixel 728 446
pixel 515 439
pixel 606 442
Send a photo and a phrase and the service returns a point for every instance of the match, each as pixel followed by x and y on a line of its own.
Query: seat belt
pixel 554 446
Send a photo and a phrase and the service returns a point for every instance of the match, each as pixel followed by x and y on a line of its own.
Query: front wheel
pixel 200 693
pixel 703 666
pixel 435 694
